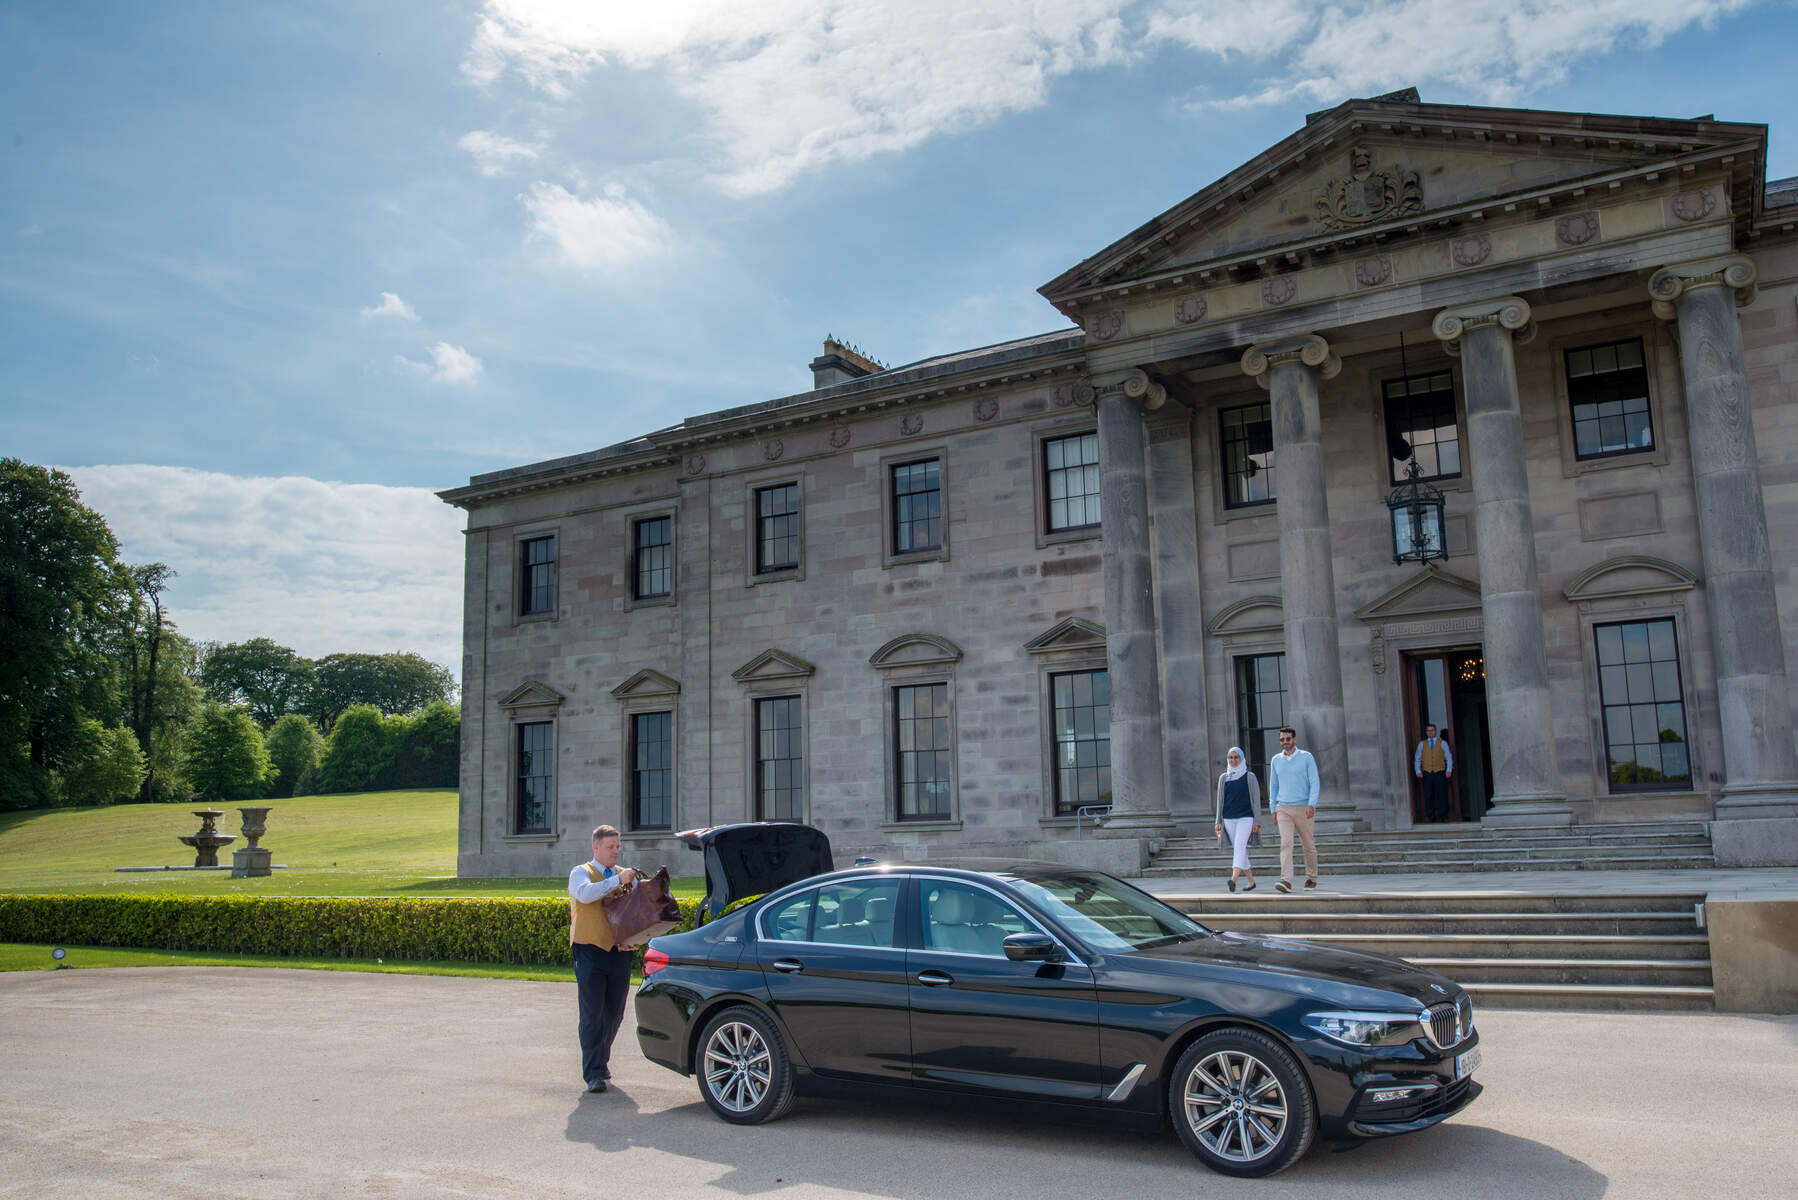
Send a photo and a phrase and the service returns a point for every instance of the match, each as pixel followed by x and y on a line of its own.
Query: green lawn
pixel 363 844
pixel 17 957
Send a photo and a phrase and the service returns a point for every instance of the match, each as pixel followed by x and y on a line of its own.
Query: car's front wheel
pixel 744 1072
pixel 1242 1103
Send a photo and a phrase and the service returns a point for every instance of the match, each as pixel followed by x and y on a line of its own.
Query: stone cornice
pixel 1307 349
pixel 1734 271
pixel 1503 312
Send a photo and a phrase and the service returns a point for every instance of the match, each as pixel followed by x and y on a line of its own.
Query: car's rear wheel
pixel 1242 1103
pixel 744 1072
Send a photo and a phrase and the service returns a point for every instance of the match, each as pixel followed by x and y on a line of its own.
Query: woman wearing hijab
pixel 1238 800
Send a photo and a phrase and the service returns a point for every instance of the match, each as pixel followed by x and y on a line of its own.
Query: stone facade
pixel 1387 239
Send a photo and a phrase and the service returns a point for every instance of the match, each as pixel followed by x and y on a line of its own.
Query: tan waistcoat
pixel 588 922
pixel 1433 757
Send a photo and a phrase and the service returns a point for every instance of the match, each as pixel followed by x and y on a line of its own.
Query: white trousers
pixel 1238 828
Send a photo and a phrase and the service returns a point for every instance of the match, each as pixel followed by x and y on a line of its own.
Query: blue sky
pixel 267 275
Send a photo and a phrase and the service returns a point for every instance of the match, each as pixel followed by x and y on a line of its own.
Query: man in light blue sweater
pixel 1292 790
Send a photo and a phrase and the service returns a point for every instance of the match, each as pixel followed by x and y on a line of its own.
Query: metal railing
pixel 1094 811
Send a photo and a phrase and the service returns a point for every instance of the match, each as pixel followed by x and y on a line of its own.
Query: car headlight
pixel 1365 1028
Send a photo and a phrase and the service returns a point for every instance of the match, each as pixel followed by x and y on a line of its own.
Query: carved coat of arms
pixel 1367 195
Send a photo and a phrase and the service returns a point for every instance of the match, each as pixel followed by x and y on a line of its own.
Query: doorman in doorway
pixel 1434 763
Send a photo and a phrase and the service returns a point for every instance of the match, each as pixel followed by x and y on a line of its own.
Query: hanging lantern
pixel 1416 519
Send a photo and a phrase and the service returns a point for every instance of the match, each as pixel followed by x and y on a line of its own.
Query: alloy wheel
pixel 738 1067
pixel 1235 1106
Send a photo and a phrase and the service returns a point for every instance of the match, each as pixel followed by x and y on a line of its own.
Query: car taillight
pixel 653 960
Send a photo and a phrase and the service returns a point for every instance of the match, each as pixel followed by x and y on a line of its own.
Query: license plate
pixel 1467 1064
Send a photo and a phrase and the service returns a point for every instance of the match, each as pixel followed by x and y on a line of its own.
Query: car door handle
pixel 789 965
pixel 935 978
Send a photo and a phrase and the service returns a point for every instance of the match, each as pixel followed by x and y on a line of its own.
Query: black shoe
pixel 1310 884
pixel 1231 885
pixel 1282 886
pixel 605 1073
pixel 596 1085
pixel 1250 888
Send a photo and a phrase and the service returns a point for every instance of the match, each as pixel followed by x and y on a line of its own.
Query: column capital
pixel 1134 383
pixel 1505 312
pixel 1734 271
pixel 1307 349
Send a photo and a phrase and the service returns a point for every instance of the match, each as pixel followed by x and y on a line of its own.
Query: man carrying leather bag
pixel 602 961
pixel 643 908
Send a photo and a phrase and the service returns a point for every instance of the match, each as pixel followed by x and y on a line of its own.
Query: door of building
pixel 1448 688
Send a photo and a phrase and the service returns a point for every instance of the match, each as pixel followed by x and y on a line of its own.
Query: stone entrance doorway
pixel 1448 688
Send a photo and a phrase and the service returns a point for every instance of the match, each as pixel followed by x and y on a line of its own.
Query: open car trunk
pixel 755 857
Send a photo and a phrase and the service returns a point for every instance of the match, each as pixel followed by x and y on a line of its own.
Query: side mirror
pixel 1031 947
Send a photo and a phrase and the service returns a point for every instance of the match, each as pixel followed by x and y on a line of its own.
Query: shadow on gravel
pixel 906 1150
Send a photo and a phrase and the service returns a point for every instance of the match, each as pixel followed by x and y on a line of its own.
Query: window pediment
pixel 916 650
pixel 1629 575
pixel 1430 590
pixel 532 695
pixel 773 664
pixel 1256 614
pixel 1074 633
pixel 647 683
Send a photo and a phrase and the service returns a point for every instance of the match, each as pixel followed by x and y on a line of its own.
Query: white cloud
pixel 391 306
pixel 609 230
pixel 321 567
pixel 788 86
pixel 32 231
pixel 494 153
pixel 449 365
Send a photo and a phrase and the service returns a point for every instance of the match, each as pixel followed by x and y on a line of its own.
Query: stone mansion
pixel 1475 416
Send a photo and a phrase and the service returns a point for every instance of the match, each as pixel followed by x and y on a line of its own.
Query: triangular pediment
pixel 1370 171
pixel 531 694
pixel 1255 614
pixel 645 683
pixel 1431 590
pixel 1629 575
pixel 916 650
pixel 1074 633
pixel 773 664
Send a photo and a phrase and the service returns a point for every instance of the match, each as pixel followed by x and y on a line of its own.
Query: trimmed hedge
pixel 522 931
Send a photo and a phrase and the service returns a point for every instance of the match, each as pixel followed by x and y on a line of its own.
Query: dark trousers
pixel 1435 796
pixel 603 980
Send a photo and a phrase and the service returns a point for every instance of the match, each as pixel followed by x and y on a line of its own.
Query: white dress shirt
pixel 586 889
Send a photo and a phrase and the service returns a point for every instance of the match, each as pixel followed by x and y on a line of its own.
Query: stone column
pixel 1289 369
pixel 1138 783
pixel 1754 700
pixel 1185 730
pixel 1525 780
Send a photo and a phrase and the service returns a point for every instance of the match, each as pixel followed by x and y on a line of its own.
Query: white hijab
pixel 1232 774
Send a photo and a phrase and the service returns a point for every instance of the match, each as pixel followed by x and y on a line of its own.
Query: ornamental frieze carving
pixel 1191 309
pixel 1063 395
pixel 1366 195
pixel 1106 325
pixel 986 408
pixel 1279 289
pixel 1372 272
pixel 773 448
pixel 1576 230
pixel 1471 251
pixel 1694 206
pixel 696 464
pixel 839 437
pixel 911 423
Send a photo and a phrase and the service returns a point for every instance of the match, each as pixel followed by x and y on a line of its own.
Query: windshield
pixel 1107 914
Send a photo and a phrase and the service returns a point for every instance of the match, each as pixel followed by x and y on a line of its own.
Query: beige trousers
pixel 1296 819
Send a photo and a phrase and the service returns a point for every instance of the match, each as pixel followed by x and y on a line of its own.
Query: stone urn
pixel 207 841
pixel 252 860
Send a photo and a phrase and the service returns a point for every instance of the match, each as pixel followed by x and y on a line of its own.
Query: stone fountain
pixel 208 840
pixel 252 860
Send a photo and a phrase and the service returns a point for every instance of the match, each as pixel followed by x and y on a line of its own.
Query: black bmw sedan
pixel 1056 987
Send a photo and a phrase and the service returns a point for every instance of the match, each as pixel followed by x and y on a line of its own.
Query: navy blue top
pixel 1236 799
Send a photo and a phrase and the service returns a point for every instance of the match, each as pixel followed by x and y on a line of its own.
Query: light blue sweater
pixel 1292 780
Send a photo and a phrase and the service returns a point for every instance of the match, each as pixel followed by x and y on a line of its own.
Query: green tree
pixel 145 630
pixel 427 753
pixel 178 701
pixel 103 766
pixel 294 747
pixel 394 683
pixel 60 586
pixel 266 678
pixel 359 753
pixel 225 755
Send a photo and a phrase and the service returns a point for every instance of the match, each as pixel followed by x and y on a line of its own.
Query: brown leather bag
pixel 643 910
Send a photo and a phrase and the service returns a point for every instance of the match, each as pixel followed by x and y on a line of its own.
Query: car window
pixel 1107 914
pixel 858 913
pixel 791 921
pixel 967 920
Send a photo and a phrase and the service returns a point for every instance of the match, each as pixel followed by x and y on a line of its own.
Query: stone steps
pixel 1267 866
pixel 1566 950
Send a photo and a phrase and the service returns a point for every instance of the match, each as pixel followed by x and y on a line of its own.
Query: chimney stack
pixel 840 364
